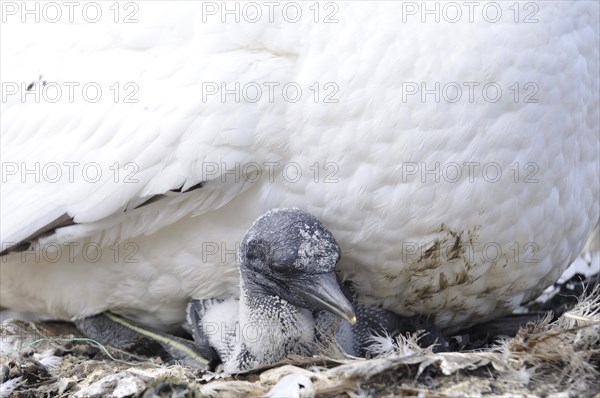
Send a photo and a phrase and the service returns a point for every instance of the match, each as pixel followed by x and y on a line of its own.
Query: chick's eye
pixel 285 267
pixel 281 267
pixel 284 259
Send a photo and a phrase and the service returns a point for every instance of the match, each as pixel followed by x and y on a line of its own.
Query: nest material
pixel 560 356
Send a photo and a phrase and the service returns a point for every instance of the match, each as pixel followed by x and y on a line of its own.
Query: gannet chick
pixel 216 328
pixel 287 265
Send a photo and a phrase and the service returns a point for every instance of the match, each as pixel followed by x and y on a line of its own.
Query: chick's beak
pixel 324 293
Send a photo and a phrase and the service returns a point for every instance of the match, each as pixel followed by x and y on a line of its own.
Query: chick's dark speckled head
pixel 289 253
pixel 289 242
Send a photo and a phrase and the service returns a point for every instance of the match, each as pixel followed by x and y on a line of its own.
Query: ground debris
pixel 545 356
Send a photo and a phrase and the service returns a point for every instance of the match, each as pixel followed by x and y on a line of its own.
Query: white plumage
pixel 391 221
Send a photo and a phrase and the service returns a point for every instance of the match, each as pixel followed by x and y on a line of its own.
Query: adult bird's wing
pixel 107 130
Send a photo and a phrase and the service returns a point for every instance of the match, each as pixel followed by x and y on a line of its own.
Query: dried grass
pixel 545 357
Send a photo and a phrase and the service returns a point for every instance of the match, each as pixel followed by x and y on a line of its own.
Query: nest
pixel 551 355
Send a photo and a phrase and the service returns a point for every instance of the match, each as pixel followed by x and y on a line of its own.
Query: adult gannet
pixel 456 162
